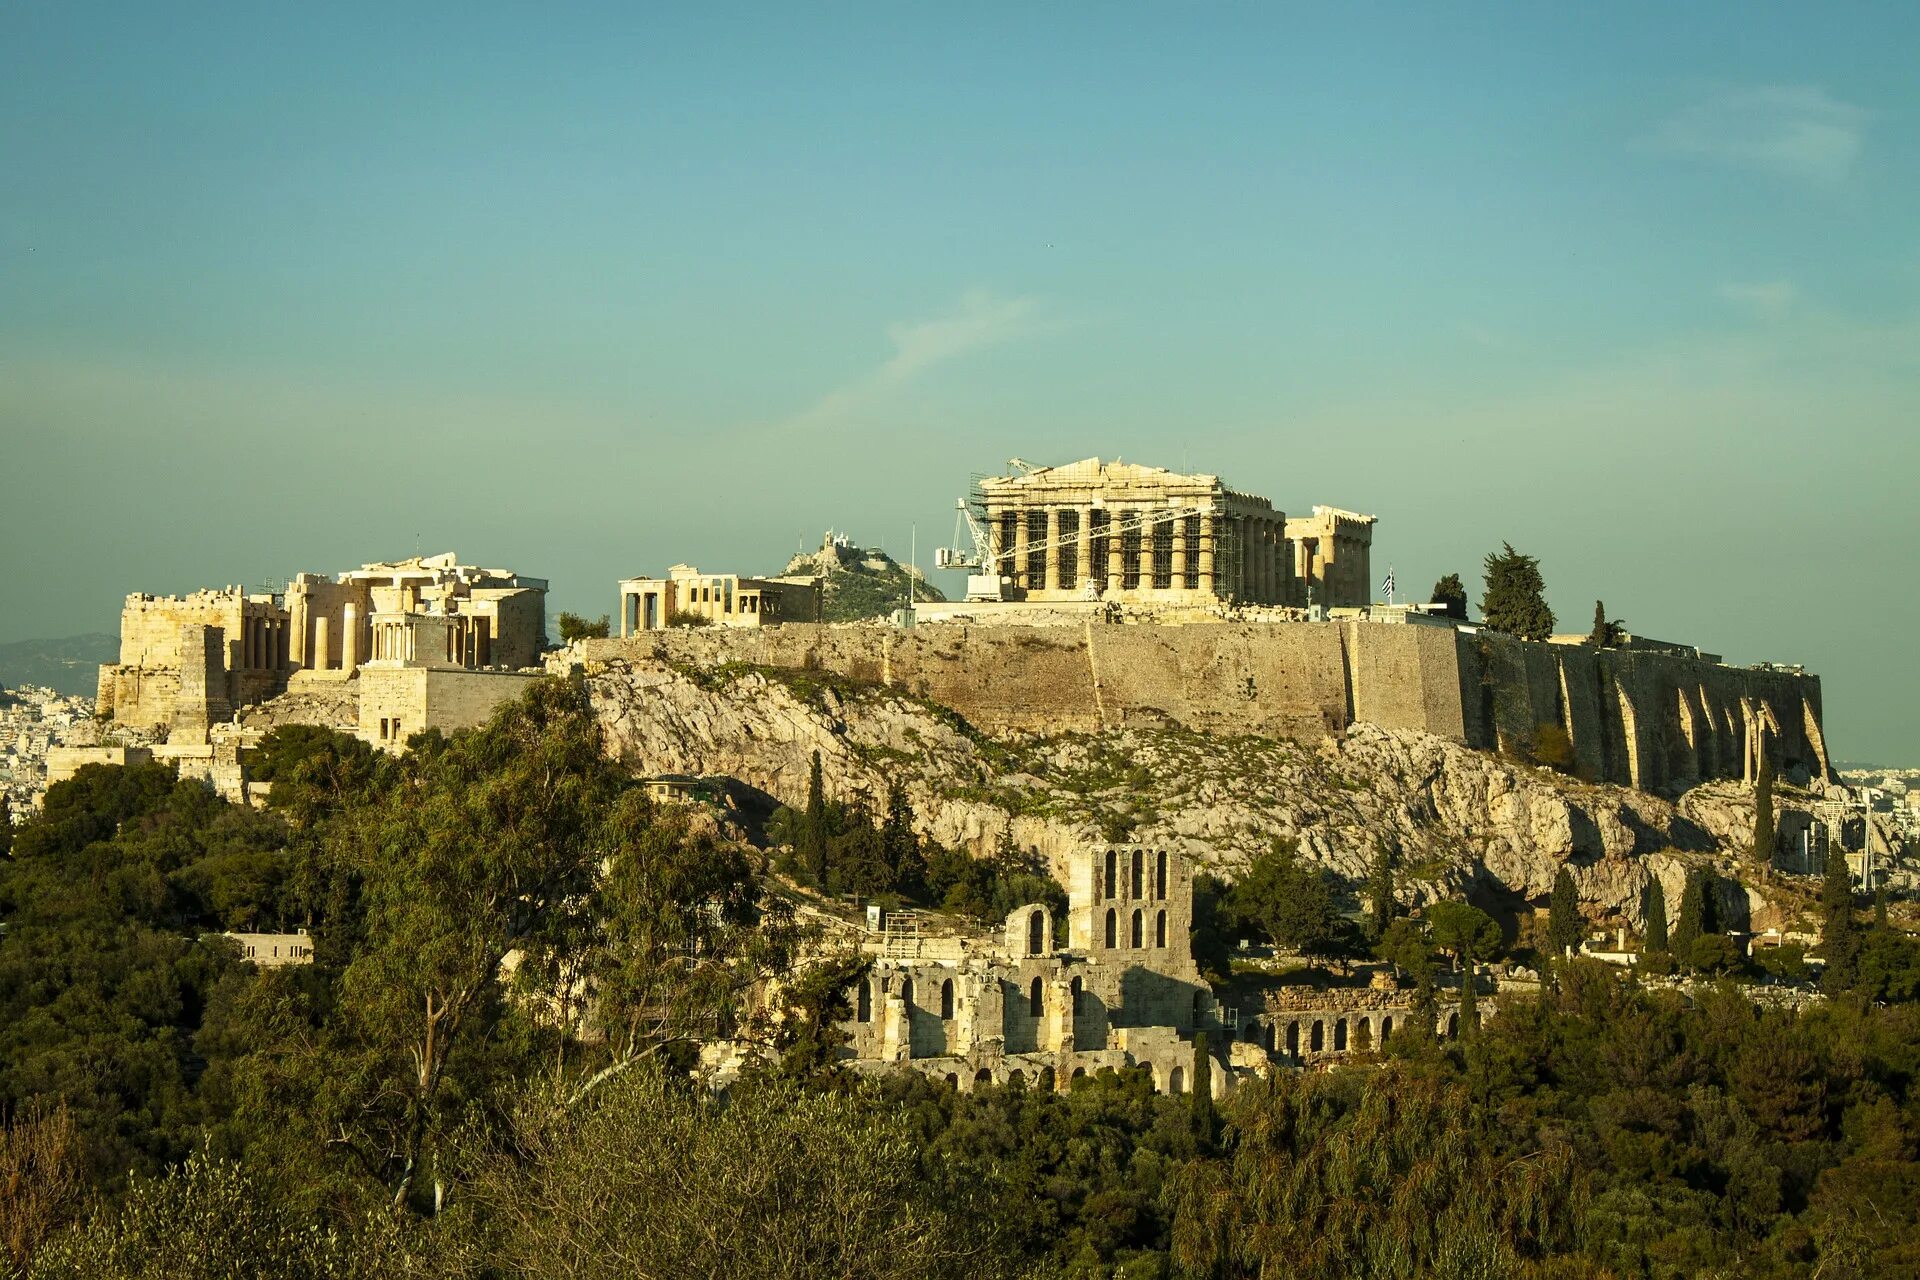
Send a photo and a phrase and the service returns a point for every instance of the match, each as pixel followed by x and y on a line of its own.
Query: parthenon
pixel 1135 534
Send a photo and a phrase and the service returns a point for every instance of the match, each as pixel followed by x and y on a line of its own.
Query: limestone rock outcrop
pixel 1457 819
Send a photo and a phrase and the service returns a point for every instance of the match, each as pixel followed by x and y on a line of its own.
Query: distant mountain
pixel 70 665
pixel 861 582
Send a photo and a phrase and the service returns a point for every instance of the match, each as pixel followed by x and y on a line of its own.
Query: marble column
pixel 1116 548
pixel 349 636
pixel 1022 540
pixel 1147 527
pixel 1083 550
pixel 1054 549
pixel 1206 553
pixel 1179 578
pixel 322 650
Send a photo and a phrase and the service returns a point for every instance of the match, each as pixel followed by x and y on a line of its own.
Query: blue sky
pixel 586 291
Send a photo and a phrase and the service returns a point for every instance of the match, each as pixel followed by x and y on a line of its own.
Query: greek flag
pixel 1387 586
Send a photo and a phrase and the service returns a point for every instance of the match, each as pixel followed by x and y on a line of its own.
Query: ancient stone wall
pixel 1644 719
pixel 411 700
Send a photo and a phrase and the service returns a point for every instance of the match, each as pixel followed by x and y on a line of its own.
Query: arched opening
pixel 1340 1035
pixel 1113 872
pixel 1036 932
pixel 1112 926
pixel 982 1076
pixel 1318 1039
pixel 1045 1080
pixel 1293 1039
pixel 1016 1079
pixel 946 1000
pixel 1136 933
pixel 1363 1035
pixel 1139 874
pixel 1177 1080
pixel 1269 1038
pixel 1199 1006
pixel 1160 929
pixel 1160 876
pixel 1079 1073
pixel 1253 1033
pixel 953 1079
pixel 1386 1029
pixel 1453 1026
pixel 1079 997
pixel 863 1002
pixel 906 995
pixel 1034 1006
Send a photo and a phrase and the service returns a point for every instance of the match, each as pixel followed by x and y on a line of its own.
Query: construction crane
pixel 986 557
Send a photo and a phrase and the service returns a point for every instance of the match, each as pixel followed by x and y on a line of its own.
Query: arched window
pixel 1453 1026
pixel 1079 1073
pixel 953 1079
pixel 1160 929
pixel 946 1000
pixel 1177 1081
pixel 864 1001
pixel 1017 1079
pixel 1113 871
pixel 1046 1080
pixel 1079 997
pixel 1363 1035
pixel 1340 1034
pixel 1035 1006
pixel 1267 1040
pixel 1318 1040
pixel 906 995
pixel 1137 928
pixel 1160 876
pixel 1386 1029
pixel 1036 933
pixel 1293 1039
pixel 1139 874
pixel 983 1076
pixel 1112 925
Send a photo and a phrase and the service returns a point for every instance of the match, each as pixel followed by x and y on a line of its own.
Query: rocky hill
pixel 1459 821
pixel 861 582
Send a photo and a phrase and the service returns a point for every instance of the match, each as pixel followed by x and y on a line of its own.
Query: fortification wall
pixel 1638 718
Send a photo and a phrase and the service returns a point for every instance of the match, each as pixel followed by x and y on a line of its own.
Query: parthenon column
pixel 1083 550
pixel 297 624
pixel 322 650
pixel 1116 549
pixel 1022 539
pixel 349 636
pixel 1179 576
pixel 1206 553
pixel 1147 526
pixel 1266 561
pixel 1054 549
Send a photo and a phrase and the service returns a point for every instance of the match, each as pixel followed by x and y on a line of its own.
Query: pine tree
pixel 904 858
pixel 813 826
pixel 1656 935
pixel 1563 915
pixel 1515 601
pixel 1380 893
pixel 1763 828
pixel 1839 932
pixel 1692 922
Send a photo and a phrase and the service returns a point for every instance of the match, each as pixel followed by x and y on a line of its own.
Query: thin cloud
pixel 982 319
pixel 1769 300
pixel 1797 132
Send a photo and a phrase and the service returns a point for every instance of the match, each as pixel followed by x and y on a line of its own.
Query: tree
pixel 6 828
pixel 1465 932
pixel 1564 925
pixel 1469 1004
pixel 574 627
pixel 1693 915
pixel 813 827
pixel 1655 943
pixel 1605 634
pixel 1407 945
pixel 1515 601
pixel 1451 595
pixel 1763 822
pixel 1292 904
pixel 907 864
pixel 1205 1120
pixel 1839 933
pixel 1380 893
pixel 40 1182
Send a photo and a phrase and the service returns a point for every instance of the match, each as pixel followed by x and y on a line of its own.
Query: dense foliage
pixel 1516 596
pixel 398 1109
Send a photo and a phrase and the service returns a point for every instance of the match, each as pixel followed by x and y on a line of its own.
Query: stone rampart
pixel 1639 718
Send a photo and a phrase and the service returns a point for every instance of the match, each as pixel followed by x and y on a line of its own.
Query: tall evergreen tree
pixel 813 826
pixel 1602 634
pixel 6 828
pixel 1656 935
pixel 1693 910
pixel 1469 1005
pixel 1839 932
pixel 1563 915
pixel 908 864
pixel 1515 601
pixel 1451 595
pixel 1380 893
pixel 1763 823
pixel 1206 1123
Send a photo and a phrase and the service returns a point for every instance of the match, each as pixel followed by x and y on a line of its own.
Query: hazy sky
pixel 584 291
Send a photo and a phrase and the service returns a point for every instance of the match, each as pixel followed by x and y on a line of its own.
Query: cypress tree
pixel 813 828
pixel 1692 922
pixel 1839 933
pixel 1763 828
pixel 1880 907
pixel 1602 633
pixel 1380 893
pixel 1563 915
pixel 6 828
pixel 904 859
pixel 1205 1121
pixel 1656 936
pixel 1469 1006
pixel 1516 601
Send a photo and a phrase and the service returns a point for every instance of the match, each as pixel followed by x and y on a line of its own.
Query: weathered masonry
pixel 1119 988
pixel 1639 718
pixel 407 634
pixel 721 600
